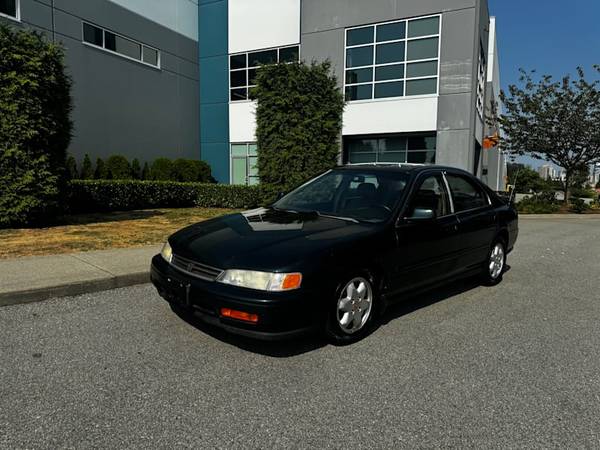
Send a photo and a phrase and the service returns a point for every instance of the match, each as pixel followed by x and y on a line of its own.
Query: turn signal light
pixel 291 281
pixel 239 315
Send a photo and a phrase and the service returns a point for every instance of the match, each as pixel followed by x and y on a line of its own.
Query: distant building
pixel 548 172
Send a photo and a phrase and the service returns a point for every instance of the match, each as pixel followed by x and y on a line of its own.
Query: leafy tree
pixel 35 126
pixel 190 170
pixel 145 172
pixel 71 166
pixel 557 121
pixel 527 180
pixel 135 169
pixel 162 169
pixel 299 123
pixel 101 172
pixel 118 167
pixel 87 172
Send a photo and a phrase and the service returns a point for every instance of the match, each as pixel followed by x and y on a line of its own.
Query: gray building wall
pixel 464 25
pixel 122 106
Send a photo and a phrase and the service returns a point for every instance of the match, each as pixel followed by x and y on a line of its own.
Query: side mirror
pixel 423 214
pixel 279 196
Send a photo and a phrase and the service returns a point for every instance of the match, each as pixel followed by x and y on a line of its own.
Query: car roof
pixel 399 167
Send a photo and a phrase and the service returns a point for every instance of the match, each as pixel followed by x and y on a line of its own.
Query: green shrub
pixel 578 205
pixel 544 203
pixel 87 172
pixel 35 128
pixel 122 195
pixel 162 169
pixel 190 170
pixel 118 168
pixel 299 123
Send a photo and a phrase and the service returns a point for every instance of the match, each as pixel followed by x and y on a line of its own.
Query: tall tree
pixel 557 121
pixel 299 123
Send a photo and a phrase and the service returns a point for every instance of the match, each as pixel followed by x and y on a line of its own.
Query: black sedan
pixel 332 254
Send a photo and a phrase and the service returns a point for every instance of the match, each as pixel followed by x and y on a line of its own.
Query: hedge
pixel 123 195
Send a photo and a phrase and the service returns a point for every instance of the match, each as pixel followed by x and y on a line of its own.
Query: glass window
pixel 238 78
pixel 263 57
pixel 9 8
pixel 397 57
pixel 465 193
pixel 359 56
pixel 359 92
pixel 389 53
pixel 237 62
pixel 431 195
pixel 359 194
pixel 385 90
pixel 243 68
pixel 150 56
pixel 93 35
pixel 121 45
pixel 359 36
pixel 424 27
pixel 421 69
pixel 419 149
pixel 422 49
pixel 421 87
pixel 289 54
pixel 394 72
pixel 239 94
pixel 359 75
pixel 244 164
pixel 391 31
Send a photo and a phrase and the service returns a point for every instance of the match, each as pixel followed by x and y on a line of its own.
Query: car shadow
pixel 276 349
pixel 305 344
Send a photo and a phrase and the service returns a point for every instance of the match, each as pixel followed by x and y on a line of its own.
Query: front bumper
pixel 282 315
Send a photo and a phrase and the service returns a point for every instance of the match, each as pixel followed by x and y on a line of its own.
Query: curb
pixel 560 216
pixel 76 288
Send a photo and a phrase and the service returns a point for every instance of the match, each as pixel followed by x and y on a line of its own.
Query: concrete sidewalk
pixel 37 278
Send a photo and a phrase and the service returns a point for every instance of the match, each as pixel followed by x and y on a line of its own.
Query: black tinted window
pixel 431 195
pixel 465 193
pixel 92 34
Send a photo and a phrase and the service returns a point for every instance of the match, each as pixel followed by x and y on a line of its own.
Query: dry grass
pixel 101 231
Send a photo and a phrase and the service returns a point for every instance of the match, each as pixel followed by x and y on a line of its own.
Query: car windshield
pixel 363 195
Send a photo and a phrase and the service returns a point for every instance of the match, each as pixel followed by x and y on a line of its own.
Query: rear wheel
pixel 352 313
pixel 496 263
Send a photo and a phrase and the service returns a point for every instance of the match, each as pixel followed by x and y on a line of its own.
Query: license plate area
pixel 179 291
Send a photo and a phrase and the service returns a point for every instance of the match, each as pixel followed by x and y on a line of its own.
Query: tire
pixel 353 310
pixel 495 264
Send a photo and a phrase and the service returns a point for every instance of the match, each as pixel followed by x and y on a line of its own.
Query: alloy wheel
pixel 354 305
pixel 496 262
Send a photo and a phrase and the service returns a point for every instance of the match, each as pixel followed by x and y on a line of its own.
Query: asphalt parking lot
pixel 517 365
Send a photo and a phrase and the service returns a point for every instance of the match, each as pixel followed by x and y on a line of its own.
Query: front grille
pixel 195 268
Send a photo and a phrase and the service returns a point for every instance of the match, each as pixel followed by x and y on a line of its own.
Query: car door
pixel 476 219
pixel 425 247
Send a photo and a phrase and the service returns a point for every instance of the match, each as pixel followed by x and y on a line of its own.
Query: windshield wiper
pixel 349 219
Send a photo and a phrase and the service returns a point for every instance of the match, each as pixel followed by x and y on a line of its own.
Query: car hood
pixel 264 239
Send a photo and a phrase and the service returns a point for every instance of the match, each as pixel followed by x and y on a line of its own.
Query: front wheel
pixel 495 264
pixel 352 313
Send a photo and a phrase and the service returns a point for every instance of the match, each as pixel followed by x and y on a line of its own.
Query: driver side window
pixel 431 195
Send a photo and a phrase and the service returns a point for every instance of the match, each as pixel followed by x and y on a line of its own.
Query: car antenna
pixel 514 190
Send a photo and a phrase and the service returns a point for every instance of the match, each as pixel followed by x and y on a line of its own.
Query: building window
pixel 244 168
pixel 243 68
pixel 120 45
pixel 393 59
pixel 412 149
pixel 481 79
pixel 10 9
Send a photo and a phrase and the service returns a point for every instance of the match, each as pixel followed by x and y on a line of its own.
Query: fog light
pixel 239 315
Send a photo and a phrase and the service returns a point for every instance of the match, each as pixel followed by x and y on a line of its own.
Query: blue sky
pixel 553 37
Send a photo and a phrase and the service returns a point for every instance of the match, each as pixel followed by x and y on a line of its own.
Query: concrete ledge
pixel 560 216
pixel 33 279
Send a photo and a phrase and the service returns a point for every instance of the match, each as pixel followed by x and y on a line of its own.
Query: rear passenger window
pixel 466 194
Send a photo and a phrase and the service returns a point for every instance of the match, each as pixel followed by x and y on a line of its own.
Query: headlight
pixel 166 252
pixel 262 281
